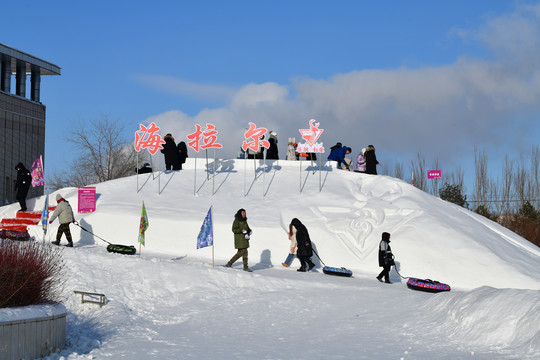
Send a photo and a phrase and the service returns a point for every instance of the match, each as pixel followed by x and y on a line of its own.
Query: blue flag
pixel 206 236
pixel 45 215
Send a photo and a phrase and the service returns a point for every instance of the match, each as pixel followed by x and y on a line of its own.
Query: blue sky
pixel 406 76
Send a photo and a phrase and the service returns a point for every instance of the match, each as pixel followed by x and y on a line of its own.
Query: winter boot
pixel 70 244
pixel 302 268
pixel 228 264
pixel 285 264
pixel 247 269
pixel 379 278
pixel 311 265
pixel 57 242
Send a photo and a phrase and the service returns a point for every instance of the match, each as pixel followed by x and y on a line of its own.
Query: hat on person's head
pixel 58 197
pixel 349 150
pixel 146 164
pixel 386 236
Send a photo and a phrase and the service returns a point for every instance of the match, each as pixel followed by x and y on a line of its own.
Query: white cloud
pixel 438 110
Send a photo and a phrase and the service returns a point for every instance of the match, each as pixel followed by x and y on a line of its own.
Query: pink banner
pixel 37 173
pixel 87 199
pixel 434 174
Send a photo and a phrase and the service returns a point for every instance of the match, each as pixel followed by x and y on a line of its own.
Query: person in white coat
pixel 64 213
pixel 292 247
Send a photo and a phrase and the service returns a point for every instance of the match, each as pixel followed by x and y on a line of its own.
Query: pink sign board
pixel 434 174
pixel 87 199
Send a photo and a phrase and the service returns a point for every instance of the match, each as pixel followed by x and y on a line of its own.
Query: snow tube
pixel 122 249
pixel 14 235
pixel 427 285
pixel 337 271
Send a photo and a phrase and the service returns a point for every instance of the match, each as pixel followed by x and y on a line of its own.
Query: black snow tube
pixel 122 249
pixel 337 271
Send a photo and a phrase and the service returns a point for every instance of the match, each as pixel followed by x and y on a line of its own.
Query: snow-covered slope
pixel 430 238
pixel 172 303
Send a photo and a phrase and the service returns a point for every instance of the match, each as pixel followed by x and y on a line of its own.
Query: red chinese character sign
pixel 253 138
pixel 146 138
pixel 311 136
pixel 209 138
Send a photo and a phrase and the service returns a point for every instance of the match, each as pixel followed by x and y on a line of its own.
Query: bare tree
pixel 419 172
pixel 104 154
pixel 399 171
pixel 482 180
pixel 535 175
pixel 505 190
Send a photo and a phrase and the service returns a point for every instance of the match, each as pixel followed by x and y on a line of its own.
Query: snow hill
pixel 170 302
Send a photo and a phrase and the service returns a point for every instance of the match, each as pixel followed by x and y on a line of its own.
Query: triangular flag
pixel 206 236
pixel 143 225
pixel 45 215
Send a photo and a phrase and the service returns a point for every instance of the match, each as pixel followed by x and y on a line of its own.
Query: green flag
pixel 143 225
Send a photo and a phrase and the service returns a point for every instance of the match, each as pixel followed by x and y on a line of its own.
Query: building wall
pixel 22 139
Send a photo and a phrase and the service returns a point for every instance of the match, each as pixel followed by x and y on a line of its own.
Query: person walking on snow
pixel 292 247
pixel 24 180
pixel 242 232
pixel 305 251
pixel 386 258
pixel 65 216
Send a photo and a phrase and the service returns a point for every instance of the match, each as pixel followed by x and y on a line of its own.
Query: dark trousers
pixel 64 229
pixel 385 273
pixel 240 253
pixel 304 261
pixel 21 197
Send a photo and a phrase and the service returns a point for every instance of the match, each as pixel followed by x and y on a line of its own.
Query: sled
pixel 328 270
pixel 427 285
pixel 122 249
pixel 14 235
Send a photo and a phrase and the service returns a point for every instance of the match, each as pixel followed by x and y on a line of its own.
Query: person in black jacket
pixel 304 250
pixel 371 160
pixel 24 180
pixel 182 154
pixel 170 152
pixel 386 258
pixel 272 152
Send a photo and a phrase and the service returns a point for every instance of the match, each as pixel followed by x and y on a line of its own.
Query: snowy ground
pixel 171 303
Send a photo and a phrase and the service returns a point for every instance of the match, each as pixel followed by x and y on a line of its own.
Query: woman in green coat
pixel 241 231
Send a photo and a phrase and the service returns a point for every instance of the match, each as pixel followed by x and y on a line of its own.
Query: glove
pixel 50 222
pixel 246 236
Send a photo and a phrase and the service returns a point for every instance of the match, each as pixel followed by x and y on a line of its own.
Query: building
pixel 22 116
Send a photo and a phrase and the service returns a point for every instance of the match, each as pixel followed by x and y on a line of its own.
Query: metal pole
pixel 137 171
pixel 195 176
pixel 214 173
pixel 245 175
pixel 320 171
pixel 207 169
pixel 264 171
pixel 300 166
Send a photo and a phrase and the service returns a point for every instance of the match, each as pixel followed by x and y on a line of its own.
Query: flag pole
pixel 212 237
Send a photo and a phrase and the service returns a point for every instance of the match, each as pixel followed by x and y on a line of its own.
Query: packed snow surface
pixel 173 301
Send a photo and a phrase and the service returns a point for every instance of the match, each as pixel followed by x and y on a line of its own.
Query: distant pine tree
pixel 452 193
